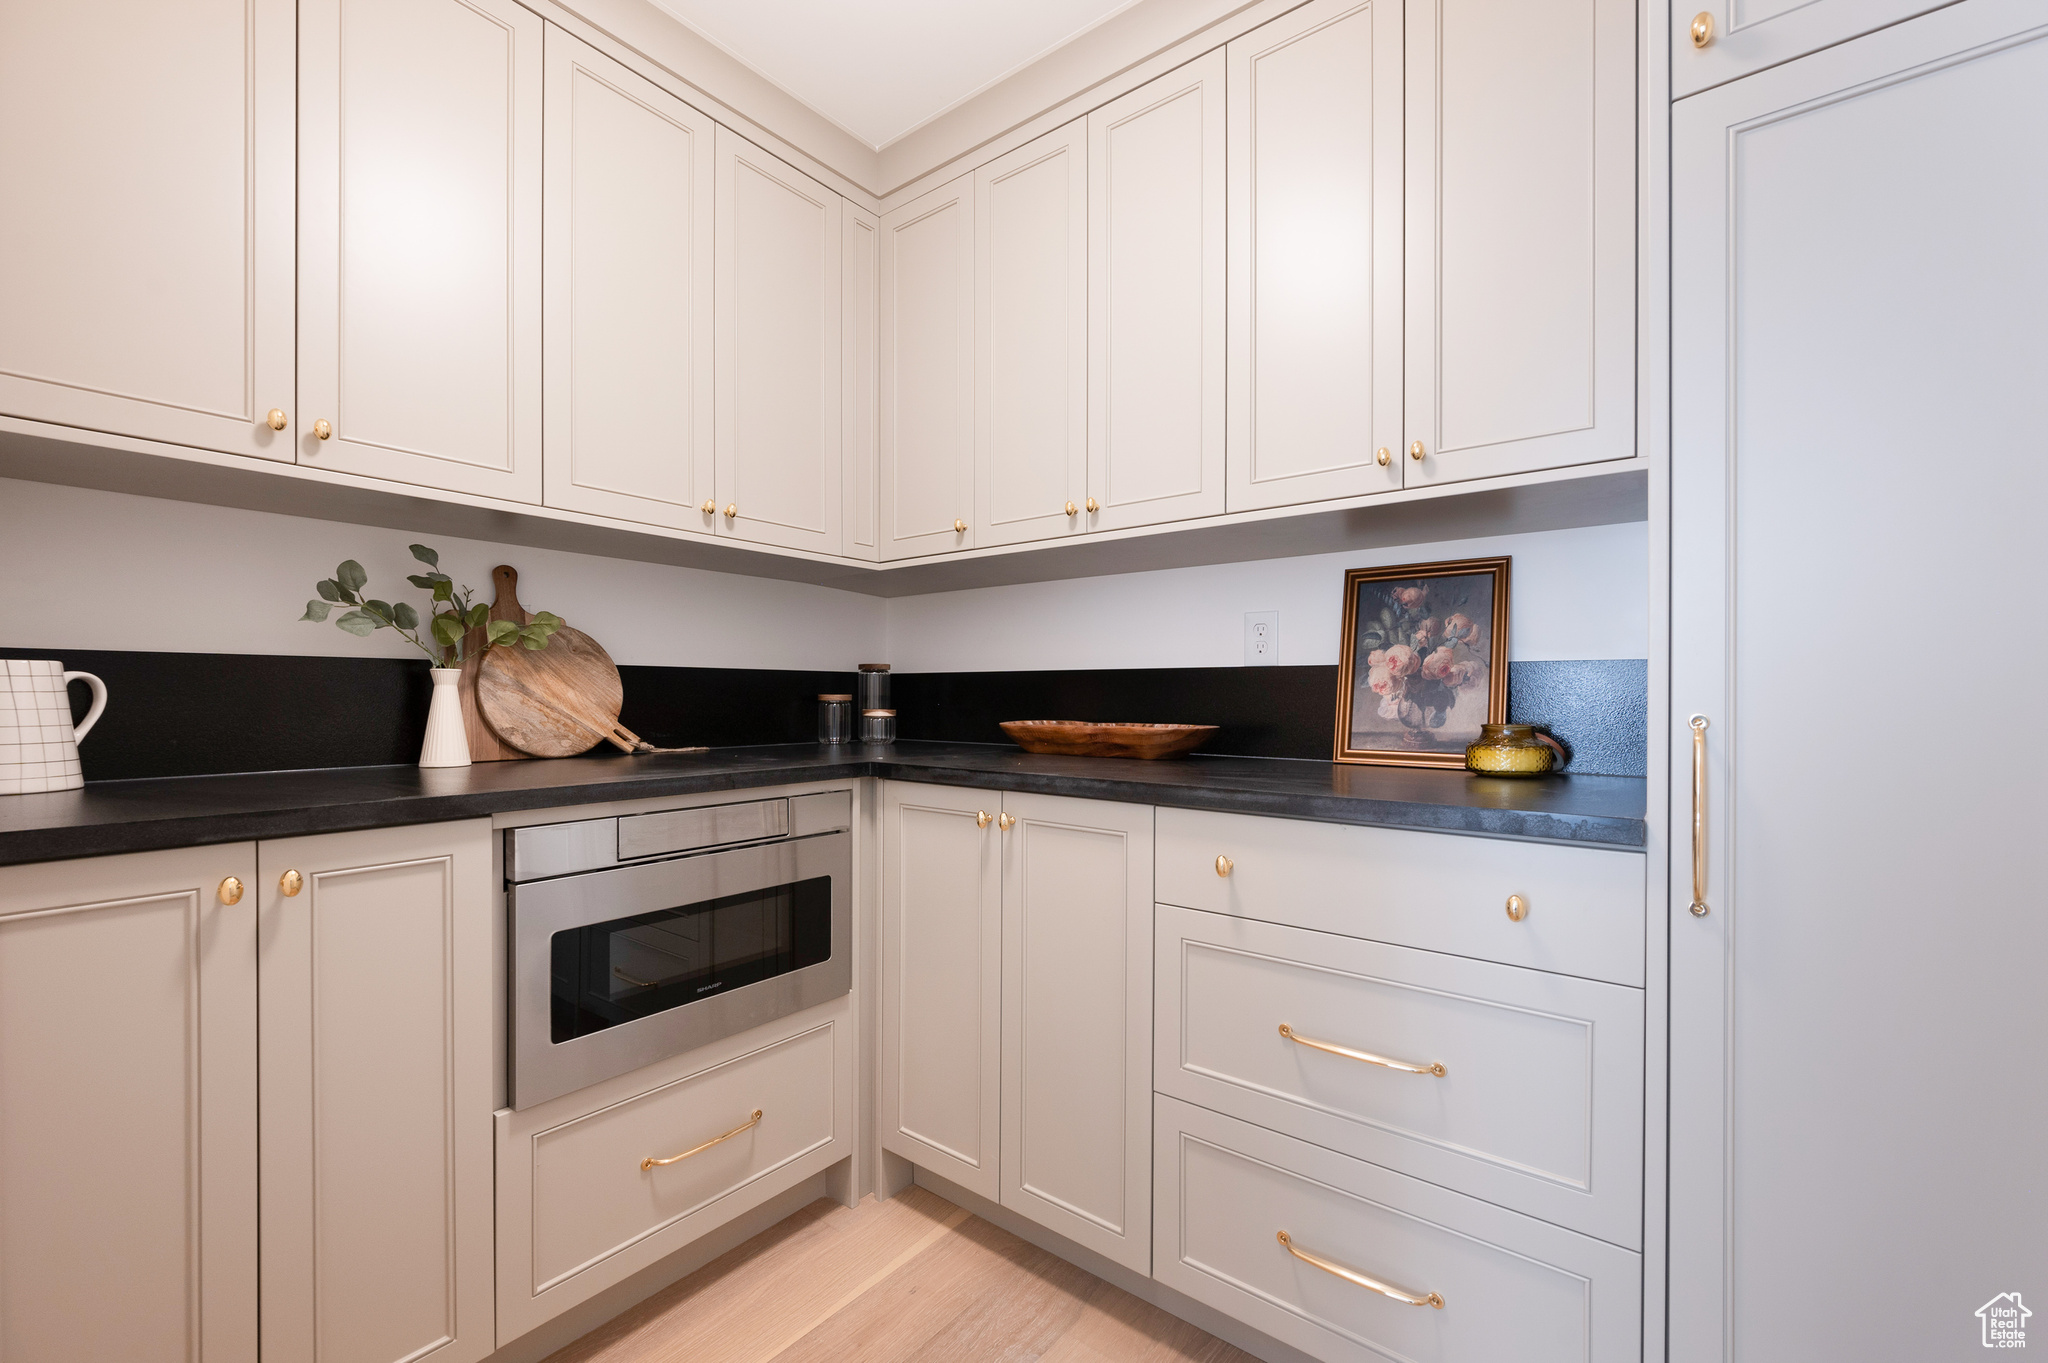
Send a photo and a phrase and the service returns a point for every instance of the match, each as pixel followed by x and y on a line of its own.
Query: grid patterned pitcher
pixel 38 744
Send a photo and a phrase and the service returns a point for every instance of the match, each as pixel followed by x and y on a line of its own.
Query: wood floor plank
pixel 911 1280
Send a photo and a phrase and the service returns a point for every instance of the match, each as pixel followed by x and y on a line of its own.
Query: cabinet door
pixel 1750 35
pixel 128 1109
pixel 1031 340
pixel 628 275
pixel 941 981
pixel 1156 269
pixel 146 243
pixel 1521 210
pixel 1315 255
pixel 1077 1021
pixel 1898 972
pixel 419 242
pixel 860 257
pixel 377 1065
pixel 927 376
pixel 778 367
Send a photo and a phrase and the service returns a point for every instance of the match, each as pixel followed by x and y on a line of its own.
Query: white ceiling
pixel 880 68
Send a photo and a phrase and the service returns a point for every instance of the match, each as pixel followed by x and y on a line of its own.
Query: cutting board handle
pixel 506 606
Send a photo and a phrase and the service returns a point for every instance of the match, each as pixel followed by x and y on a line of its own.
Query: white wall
pixel 1576 594
pixel 104 570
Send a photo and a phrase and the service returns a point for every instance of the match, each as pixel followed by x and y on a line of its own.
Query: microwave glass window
pixel 629 968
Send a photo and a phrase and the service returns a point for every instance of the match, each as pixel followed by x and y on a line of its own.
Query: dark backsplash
pixel 194 714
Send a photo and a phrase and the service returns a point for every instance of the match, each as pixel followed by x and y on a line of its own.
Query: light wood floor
pixel 913 1278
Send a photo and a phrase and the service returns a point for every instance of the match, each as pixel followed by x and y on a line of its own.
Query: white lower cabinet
pixel 598 1184
pixel 376 1063
pixel 1373 1264
pixel 128 1108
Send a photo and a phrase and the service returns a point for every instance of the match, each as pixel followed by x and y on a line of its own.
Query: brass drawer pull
pixel 1353 1276
pixel 1435 1067
pixel 652 1163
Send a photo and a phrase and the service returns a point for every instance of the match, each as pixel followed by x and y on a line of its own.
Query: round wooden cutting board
pixel 556 701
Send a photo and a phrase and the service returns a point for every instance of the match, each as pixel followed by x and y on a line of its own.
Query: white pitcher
pixel 38 745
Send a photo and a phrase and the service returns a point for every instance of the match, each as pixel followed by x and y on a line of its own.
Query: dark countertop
pixel 135 816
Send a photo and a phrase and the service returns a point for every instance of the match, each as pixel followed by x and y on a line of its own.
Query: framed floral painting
pixel 1424 661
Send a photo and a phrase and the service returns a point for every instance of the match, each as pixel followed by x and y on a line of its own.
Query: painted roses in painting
pixel 1423 651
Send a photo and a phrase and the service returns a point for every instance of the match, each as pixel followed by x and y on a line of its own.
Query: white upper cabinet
pixel 1521 220
pixel 146 154
pixel 1315 255
pixel 1031 340
pixel 419 242
pixel 860 258
pixel 1155 299
pixel 1741 36
pixel 927 372
pixel 628 290
pixel 778 364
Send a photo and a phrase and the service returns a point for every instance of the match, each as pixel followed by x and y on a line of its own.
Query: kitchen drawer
pixel 1540 1104
pixel 1512 1288
pixel 1583 906
pixel 577 1212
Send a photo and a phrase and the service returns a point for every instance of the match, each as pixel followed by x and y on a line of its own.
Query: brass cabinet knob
pixel 1223 865
pixel 1416 451
pixel 1073 510
pixel 982 818
pixel 231 891
pixel 732 509
pixel 322 429
pixel 710 508
pixel 1702 29
pixel 1093 505
pixel 1006 822
pixel 276 420
pixel 959 527
pixel 1518 908
pixel 291 882
pixel 1384 456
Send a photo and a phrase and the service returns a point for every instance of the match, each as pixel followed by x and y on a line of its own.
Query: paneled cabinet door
pixel 628 294
pixel 1315 255
pixel 779 376
pixel 942 980
pixel 927 373
pixel 377 1065
pixel 1521 222
pixel 1031 340
pixel 1077 1021
pixel 1742 36
pixel 1893 972
pixel 1156 272
pixel 419 242
pixel 146 239
pixel 128 1108
pixel 860 257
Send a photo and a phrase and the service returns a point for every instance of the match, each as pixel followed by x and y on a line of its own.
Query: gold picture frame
pixel 1422 643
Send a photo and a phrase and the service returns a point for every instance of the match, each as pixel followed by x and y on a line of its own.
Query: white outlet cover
pixel 1261 638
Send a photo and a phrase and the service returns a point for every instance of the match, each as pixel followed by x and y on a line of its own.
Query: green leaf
pixel 357 623
pixel 328 589
pixel 500 631
pixel 548 618
pixel 425 555
pixel 535 636
pixel 421 580
pixel 444 590
pixel 477 615
pixel 316 610
pixel 351 576
pixel 404 616
pixel 530 642
pixel 448 630
pixel 380 609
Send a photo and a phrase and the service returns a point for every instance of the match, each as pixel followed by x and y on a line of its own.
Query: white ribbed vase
pixel 447 743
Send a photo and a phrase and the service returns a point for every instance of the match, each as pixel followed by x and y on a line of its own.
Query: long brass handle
pixel 1435 1067
pixel 749 1124
pixel 1351 1275
pixel 1699 815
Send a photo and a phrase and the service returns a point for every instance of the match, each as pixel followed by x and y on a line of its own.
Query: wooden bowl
pixel 1071 738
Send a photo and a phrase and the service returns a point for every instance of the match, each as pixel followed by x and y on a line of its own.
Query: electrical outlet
pixel 1261 638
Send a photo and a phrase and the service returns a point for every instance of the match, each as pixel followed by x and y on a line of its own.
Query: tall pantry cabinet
pixel 1855 951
